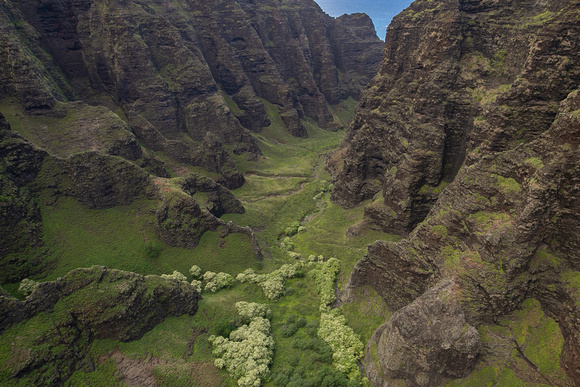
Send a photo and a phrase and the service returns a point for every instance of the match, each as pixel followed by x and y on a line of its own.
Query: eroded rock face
pixel 459 80
pixel 172 64
pixel 494 230
pixel 428 339
pixel 86 304
pixel 469 134
pixel 219 200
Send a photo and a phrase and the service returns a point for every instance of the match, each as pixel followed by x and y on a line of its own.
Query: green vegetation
pixel 249 350
pixel 507 184
pixel 287 202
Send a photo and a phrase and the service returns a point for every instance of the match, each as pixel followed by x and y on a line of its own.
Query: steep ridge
pixel 470 134
pixel 460 80
pixel 63 318
pixel 109 99
pixel 179 70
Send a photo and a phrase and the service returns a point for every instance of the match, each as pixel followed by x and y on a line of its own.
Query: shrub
pixel 346 346
pixel 208 276
pixel 292 229
pixel 325 275
pixel 288 330
pixel 249 350
pixel 247 275
pixel 195 272
pixel 273 287
pixel 176 276
pixel 153 249
pixel 287 244
pixel 197 285
pixel 250 310
pixel 27 286
pixel 218 281
pixel 272 284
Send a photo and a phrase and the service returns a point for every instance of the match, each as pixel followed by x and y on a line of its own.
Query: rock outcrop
pixel 30 176
pixel 59 321
pixel 460 80
pixel 470 134
pixel 428 339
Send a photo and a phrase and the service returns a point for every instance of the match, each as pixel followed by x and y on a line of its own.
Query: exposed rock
pixel 96 180
pixel 53 329
pixel 215 158
pixel 219 199
pixel 428 340
pixel 180 221
pixel 181 69
pixel 459 80
pixel 20 220
pixel 490 228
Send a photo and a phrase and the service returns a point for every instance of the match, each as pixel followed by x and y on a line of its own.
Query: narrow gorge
pixel 252 192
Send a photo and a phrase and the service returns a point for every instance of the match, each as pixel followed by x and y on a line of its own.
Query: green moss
pixel 544 259
pixel 507 184
pixel 427 189
pixel 489 221
pixel 232 104
pixel 572 281
pixel 451 256
pixel 535 162
pixel 440 230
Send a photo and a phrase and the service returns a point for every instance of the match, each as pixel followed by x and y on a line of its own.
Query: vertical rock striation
pixel 469 134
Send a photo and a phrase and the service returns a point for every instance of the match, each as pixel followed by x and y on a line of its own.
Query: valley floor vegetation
pixel 282 308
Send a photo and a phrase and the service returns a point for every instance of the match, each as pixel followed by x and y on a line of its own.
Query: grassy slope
pixel 280 189
pixel 288 184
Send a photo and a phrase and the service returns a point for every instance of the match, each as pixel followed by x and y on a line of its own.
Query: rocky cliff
pixel 56 325
pixel 467 142
pixel 178 70
pixel 31 178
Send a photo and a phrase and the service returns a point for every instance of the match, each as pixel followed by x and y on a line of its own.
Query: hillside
pixel 181 203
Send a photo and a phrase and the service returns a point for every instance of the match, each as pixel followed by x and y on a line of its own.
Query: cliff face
pixel 60 320
pixel 470 134
pixel 98 92
pixel 181 69
pixel 459 80
pixel 31 178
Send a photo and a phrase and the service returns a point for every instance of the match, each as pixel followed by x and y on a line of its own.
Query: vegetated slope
pixel 54 328
pixel 470 134
pixel 100 104
pixel 167 87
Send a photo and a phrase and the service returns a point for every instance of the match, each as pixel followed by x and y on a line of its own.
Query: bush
pixel 273 287
pixel 153 249
pixel 197 285
pixel 288 330
pixel 195 272
pixel 176 276
pixel 27 286
pixel 249 350
pixel 272 284
pixel 325 275
pixel 346 346
pixel 247 275
pixel 250 310
pixel 294 229
pixel 208 276
pixel 287 244
pixel 218 281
